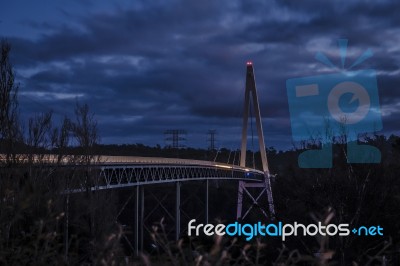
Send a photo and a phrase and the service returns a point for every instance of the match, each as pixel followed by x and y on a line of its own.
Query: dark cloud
pixel 148 67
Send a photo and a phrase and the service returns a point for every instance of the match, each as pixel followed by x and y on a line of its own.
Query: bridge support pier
pixel 178 211
pixel 141 192
pixel 206 214
pixel 139 217
pixel 137 221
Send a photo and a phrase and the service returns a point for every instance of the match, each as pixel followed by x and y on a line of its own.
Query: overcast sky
pixel 148 66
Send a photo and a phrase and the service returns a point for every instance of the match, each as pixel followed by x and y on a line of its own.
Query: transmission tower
pixel 211 139
pixel 174 138
pixel 264 187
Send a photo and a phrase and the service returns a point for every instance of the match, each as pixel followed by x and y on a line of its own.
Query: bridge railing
pixel 103 159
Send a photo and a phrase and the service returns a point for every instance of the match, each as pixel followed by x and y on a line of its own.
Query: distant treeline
pixel 278 160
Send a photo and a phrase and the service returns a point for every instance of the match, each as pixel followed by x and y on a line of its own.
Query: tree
pixel 60 139
pixel 10 133
pixel 85 131
pixel 39 136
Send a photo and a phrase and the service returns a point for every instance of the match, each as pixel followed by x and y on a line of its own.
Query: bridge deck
pixel 124 171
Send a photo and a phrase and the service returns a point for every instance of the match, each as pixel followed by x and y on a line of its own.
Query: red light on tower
pixel 249 63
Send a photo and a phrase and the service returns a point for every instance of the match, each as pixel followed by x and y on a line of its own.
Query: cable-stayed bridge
pixel 119 172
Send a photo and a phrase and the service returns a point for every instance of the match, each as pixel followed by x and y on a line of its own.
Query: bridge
pixel 118 172
pixel 114 172
pixel 125 171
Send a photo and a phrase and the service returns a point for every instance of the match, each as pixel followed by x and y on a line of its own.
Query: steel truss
pixel 117 176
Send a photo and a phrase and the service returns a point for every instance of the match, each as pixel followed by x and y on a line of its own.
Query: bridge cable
pixel 216 155
pixel 229 156
pixel 234 157
pixel 252 133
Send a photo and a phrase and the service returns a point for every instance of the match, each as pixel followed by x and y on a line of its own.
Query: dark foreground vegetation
pixel 42 224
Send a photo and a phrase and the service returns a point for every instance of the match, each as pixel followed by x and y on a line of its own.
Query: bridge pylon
pixel 262 188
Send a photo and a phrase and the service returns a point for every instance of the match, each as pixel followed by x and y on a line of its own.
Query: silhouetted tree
pixel 85 131
pixel 10 133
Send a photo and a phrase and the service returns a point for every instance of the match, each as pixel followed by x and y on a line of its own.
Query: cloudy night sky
pixel 148 66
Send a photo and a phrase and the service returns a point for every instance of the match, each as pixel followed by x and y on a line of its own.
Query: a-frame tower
pixel 264 187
